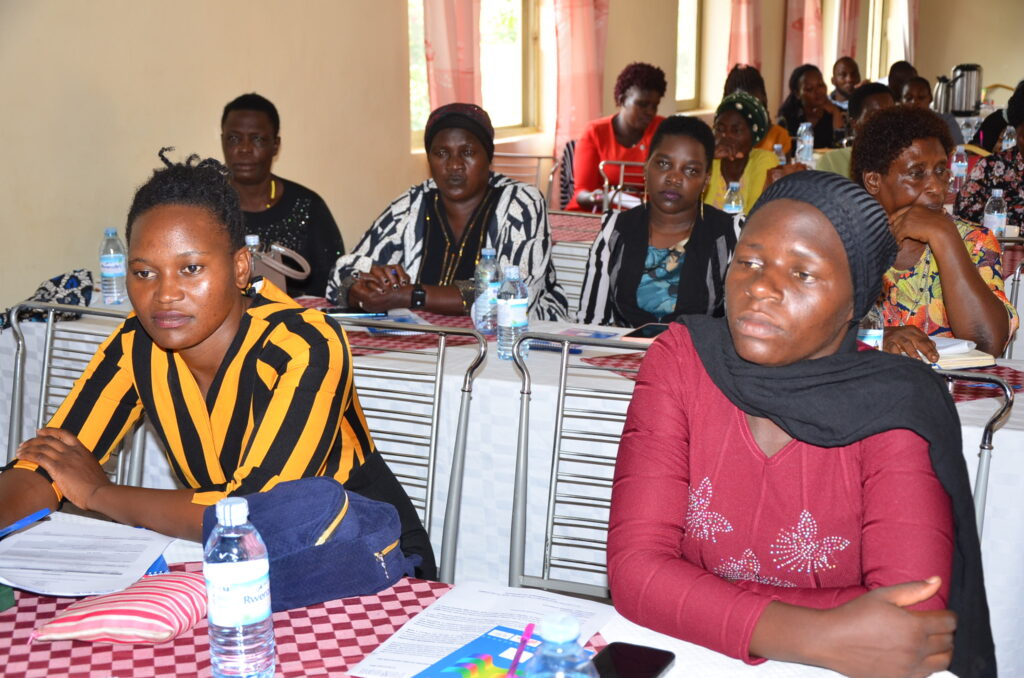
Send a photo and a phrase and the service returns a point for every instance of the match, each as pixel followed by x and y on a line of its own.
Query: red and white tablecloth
pixel 322 640
pixel 627 364
pixel 574 227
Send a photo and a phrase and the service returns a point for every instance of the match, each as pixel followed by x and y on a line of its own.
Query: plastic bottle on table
pixel 733 199
pixel 560 655
pixel 959 169
pixel 995 213
pixel 513 303
pixel 872 328
pixel 1009 138
pixel 113 268
pixel 488 280
pixel 237 571
pixel 805 145
pixel 777 150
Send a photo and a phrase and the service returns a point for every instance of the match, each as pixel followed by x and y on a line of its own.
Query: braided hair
pixel 197 183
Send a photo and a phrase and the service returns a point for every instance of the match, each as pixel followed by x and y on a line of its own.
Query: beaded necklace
pixel 451 260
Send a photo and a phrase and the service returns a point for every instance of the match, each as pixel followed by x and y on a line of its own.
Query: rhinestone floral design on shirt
pixel 701 522
pixel 798 549
pixel 748 568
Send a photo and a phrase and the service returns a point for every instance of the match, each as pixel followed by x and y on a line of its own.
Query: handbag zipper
pixel 379 555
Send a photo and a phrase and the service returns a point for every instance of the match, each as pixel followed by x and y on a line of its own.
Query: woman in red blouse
pixel 780 495
pixel 623 136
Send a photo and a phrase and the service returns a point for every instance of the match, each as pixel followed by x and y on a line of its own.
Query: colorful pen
pixel 523 640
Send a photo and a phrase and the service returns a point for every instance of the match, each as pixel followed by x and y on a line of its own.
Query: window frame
pixel 694 103
pixel 529 122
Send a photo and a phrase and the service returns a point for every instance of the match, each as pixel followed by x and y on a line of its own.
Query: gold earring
pixel 702 210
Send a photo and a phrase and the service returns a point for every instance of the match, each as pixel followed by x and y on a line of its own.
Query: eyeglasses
pixel 918 175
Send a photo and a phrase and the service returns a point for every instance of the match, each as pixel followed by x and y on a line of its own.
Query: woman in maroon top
pixel 780 495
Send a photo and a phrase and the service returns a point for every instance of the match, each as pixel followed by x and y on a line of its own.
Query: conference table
pixel 491 448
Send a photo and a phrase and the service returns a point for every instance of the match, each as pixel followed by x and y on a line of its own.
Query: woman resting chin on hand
pixel 780 495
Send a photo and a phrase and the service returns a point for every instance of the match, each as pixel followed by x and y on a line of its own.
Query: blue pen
pixel 24 522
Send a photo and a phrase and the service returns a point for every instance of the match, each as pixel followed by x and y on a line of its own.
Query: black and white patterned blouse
pixel 518 231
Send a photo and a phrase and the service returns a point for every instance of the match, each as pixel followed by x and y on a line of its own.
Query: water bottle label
pixel 996 222
pixel 492 292
pixel 112 265
pixel 512 312
pixel 732 208
pixel 872 338
pixel 237 593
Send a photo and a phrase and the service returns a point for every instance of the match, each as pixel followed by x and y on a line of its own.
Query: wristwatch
pixel 419 296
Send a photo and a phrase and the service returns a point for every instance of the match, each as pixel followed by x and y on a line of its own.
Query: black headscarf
pixel 840 399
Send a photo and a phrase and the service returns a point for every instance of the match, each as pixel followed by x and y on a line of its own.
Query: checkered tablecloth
pixel 580 227
pixel 321 640
pixel 625 364
pixel 962 392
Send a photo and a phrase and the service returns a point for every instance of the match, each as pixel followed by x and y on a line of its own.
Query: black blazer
pixel 616 264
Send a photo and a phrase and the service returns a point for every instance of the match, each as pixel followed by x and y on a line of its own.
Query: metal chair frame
pixel 570 261
pixel 572 485
pixel 528 168
pixel 631 176
pixel 1015 283
pixel 413 455
pixel 63 364
pixel 994 422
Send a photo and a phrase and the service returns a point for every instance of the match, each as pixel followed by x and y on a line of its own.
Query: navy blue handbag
pixel 324 542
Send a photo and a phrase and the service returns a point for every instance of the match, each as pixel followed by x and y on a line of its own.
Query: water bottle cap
pixel 511 273
pixel 232 511
pixel 959 148
pixel 488 252
pixel 110 233
pixel 252 240
pixel 734 185
pixel 777 148
pixel 997 193
pixel 559 628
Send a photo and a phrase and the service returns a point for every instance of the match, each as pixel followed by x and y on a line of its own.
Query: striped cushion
pixel 154 609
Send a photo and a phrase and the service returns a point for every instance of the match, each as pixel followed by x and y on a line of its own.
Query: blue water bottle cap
pixel 488 252
pixel 110 233
pixel 511 273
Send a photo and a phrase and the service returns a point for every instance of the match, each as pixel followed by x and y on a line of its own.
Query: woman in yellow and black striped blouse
pixel 245 388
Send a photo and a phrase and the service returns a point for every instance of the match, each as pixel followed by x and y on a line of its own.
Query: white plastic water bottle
pixel 777 150
pixel 872 328
pixel 1009 137
pixel 560 655
pixel 733 199
pixel 805 144
pixel 488 280
pixel 513 304
pixel 113 268
pixel 237 573
pixel 995 213
pixel 959 167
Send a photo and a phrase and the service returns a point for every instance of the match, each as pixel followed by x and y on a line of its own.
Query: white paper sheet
pixel 464 613
pixel 78 557
pixel 694 660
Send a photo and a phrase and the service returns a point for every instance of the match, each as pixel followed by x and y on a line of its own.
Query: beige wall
pixel 93 89
pixel 986 32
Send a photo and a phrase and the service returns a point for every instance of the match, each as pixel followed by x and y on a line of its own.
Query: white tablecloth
pixel 487 493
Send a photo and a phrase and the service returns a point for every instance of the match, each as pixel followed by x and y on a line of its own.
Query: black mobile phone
pixel 648 331
pixel 625 660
